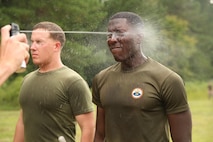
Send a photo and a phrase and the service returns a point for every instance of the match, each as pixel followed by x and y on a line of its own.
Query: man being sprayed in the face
pixel 125 41
pixel 138 99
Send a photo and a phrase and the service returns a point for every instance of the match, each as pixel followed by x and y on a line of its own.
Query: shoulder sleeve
pixel 99 81
pixel 95 92
pixel 174 94
pixel 80 97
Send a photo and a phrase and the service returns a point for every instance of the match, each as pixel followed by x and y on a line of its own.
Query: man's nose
pixel 114 36
pixel 32 46
pixel 112 40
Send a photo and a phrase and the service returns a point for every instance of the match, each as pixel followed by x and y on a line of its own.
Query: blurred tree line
pixel 176 33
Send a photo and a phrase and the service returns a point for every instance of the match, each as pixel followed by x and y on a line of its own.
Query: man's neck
pixel 132 63
pixel 50 67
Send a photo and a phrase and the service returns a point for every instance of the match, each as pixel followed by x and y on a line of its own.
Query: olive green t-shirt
pixel 137 102
pixel 50 101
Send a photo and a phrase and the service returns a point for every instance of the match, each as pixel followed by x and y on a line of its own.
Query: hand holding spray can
pixel 14 31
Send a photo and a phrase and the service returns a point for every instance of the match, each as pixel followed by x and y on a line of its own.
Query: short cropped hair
pixel 132 18
pixel 56 31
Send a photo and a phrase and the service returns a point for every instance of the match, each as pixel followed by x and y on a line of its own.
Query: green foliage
pixel 9 93
pixel 180 44
pixel 87 60
pixel 198 14
pixel 70 15
pixel 149 11
pixel 176 33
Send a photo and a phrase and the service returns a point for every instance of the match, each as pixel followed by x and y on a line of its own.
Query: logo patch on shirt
pixel 137 93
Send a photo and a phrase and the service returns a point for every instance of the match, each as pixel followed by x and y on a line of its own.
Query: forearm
pixel 100 125
pixel 87 135
pixel 19 135
pixel 87 125
pixel 181 127
pixel 98 138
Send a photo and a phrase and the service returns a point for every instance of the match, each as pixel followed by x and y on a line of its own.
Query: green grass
pixel 8 120
pixel 202 116
pixel 197 90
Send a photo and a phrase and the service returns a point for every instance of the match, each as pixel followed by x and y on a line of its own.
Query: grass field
pixel 202 115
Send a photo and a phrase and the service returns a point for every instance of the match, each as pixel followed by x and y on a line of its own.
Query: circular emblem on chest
pixel 137 93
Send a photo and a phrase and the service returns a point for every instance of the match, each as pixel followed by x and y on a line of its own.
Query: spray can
pixel 14 31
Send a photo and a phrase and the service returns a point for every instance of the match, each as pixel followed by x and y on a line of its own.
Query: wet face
pixel 42 47
pixel 122 41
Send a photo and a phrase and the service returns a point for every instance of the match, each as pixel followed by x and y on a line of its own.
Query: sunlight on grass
pixel 8 121
pixel 202 117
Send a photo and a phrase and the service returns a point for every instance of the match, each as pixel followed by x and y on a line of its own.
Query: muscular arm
pixel 100 125
pixel 19 132
pixel 87 125
pixel 181 126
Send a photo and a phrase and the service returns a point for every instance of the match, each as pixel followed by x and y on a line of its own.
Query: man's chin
pixel 36 63
pixel 117 59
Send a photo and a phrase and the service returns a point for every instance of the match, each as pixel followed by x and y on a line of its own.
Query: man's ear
pixel 139 38
pixel 58 46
